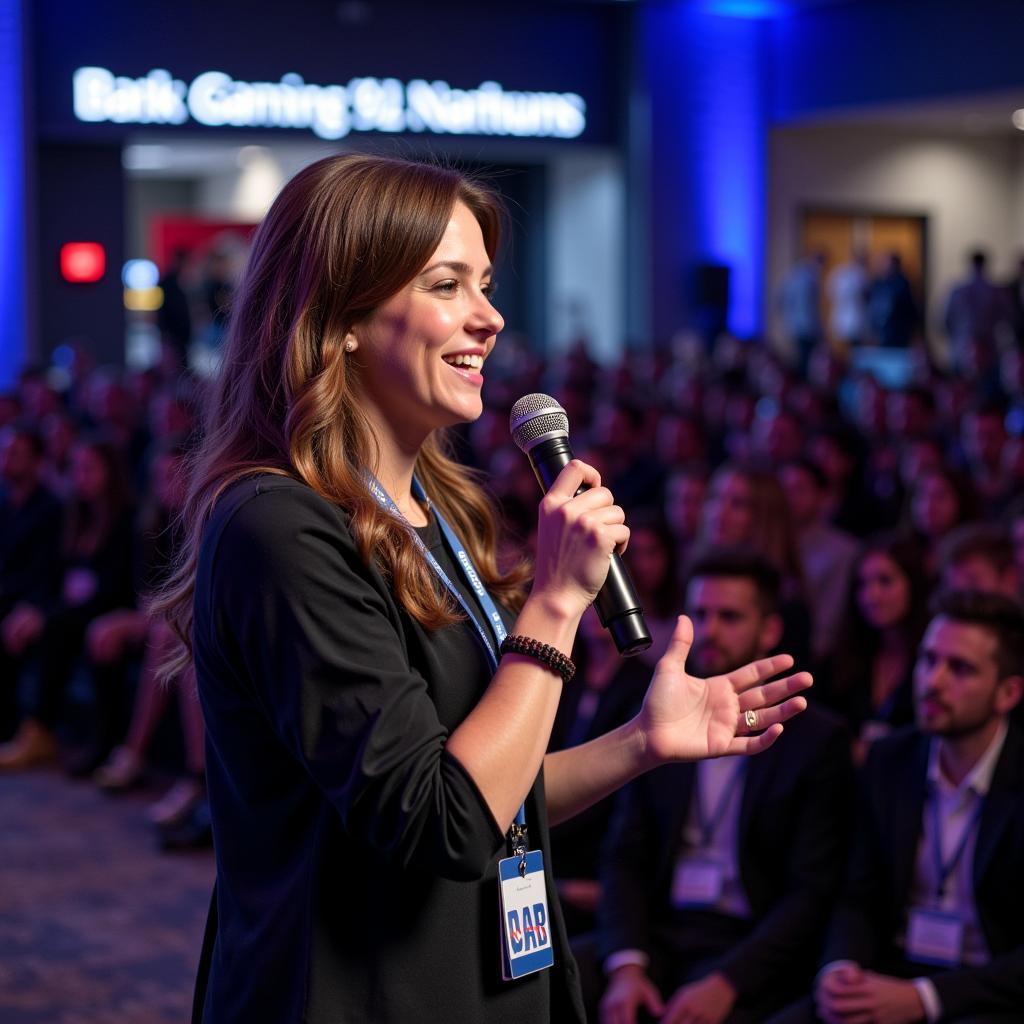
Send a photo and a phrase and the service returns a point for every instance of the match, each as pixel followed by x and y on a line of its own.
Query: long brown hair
pixel 344 235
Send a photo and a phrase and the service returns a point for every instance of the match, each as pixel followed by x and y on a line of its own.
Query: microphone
pixel 540 429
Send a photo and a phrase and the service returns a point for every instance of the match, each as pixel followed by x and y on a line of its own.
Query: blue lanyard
pixel 469 573
pixel 462 559
pixel 944 869
pixel 709 825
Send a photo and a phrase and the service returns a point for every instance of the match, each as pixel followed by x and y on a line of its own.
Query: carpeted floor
pixel 96 925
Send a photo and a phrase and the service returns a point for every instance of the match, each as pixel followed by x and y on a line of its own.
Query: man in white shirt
pixel 718 877
pixel 931 925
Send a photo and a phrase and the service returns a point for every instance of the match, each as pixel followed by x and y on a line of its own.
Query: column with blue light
pixel 703 67
pixel 14 260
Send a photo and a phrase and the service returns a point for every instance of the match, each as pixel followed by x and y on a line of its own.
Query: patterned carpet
pixel 96 925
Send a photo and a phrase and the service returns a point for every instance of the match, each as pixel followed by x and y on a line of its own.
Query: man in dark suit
pixel 931 923
pixel 718 876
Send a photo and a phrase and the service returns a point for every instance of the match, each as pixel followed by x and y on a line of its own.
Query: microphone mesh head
pixel 535 417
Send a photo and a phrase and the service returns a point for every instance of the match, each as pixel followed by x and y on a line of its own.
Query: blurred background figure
pixel 46 631
pixel 868 679
pixel 30 520
pixel 174 317
pixel 848 287
pixel 799 302
pixel 892 309
pixel 975 309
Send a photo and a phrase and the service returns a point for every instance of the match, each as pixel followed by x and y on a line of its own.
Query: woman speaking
pixel 378 692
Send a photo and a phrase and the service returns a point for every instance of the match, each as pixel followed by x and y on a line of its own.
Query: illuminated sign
pixel 215 99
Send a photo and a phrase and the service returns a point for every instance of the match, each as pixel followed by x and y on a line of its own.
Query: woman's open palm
pixel 685 718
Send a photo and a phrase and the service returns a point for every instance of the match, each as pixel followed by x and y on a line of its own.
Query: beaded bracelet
pixel 550 657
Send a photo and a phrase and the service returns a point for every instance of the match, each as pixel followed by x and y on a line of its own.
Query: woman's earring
pixel 350 345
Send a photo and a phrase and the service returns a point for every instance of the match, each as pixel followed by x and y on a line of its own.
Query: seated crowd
pixel 861 870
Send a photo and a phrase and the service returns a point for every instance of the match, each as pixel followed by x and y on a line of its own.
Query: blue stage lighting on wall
pixel 713 120
pixel 745 8
pixel 14 321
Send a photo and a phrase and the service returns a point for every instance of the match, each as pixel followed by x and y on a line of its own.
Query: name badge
pixel 934 937
pixel 697 883
pixel 525 925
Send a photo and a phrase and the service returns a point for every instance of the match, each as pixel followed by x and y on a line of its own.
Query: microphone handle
pixel 617 604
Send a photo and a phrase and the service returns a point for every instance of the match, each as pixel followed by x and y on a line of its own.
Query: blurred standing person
pixel 975 308
pixel 218 288
pixel 174 317
pixel 848 287
pixel 892 310
pixel 1015 303
pixel 799 304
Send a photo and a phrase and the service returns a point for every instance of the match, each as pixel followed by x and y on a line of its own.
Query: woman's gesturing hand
pixel 576 535
pixel 685 718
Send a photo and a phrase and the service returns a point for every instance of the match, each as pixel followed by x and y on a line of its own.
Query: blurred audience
pixel 929 926
pixel 705 445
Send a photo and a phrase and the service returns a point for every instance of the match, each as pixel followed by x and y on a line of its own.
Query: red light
pixel 82 262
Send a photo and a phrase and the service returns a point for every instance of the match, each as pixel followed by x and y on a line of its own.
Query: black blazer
pixel 792 840
pixel 356 860
pixel 875 897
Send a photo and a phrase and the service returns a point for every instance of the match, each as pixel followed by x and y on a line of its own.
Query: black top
pixel 356 859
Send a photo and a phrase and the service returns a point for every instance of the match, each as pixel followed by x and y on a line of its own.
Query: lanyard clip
pixel 518 841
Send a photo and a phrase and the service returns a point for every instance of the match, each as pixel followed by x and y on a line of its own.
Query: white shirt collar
pixel 979 778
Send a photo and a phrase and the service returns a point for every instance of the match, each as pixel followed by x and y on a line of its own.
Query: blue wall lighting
pixel 13 282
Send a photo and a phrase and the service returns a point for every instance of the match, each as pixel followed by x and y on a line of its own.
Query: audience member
pixel 869 680
pixel 746 507
pixel 982 437
pixel 652 563
pixel 827 554
pixel 30 519
pixel 717 877
pixel 124 632
pixel 95 575
pixel 939 500
pixel 685 491
pixel 979 556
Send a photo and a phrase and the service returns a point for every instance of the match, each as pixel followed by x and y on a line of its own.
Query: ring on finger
pixel 750 717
